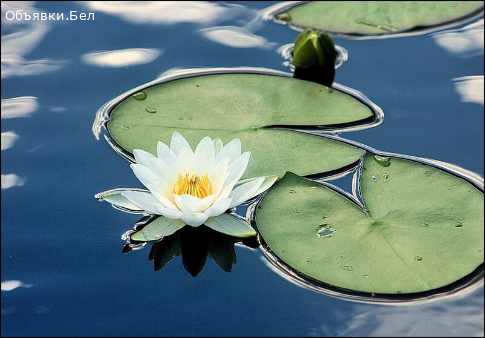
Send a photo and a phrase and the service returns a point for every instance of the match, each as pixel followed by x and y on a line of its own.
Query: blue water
pixel 64 246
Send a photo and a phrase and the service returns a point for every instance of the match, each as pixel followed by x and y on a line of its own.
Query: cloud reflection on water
pixel 10 285
pixel 456 316
pixel 122 57
pixel 470 88
pixel 22 106
pixel 24 40
pixel 466 41
pixel 236 37
pixel 160 12
pixel 12 180
pixel 26 36
pixel 16 66
pixel 8 139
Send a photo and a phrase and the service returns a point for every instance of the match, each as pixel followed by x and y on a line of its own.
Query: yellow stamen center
pixel 194 185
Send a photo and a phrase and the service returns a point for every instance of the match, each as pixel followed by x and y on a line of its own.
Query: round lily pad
pixel 422 228
pixel 374 18
pixel 256 108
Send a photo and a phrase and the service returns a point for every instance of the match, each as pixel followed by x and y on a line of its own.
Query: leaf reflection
pixel 194 245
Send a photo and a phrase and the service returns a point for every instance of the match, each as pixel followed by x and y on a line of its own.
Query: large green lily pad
pixel 378 17
pixel 423 229
pixel 240 106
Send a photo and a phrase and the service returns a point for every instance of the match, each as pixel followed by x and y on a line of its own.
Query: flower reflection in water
pixel 193 244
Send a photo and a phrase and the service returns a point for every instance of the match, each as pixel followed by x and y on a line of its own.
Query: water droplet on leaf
pixel 374 178
pixel 325 231
pixel 424 225
pixel 419 258
pixel 284 17
pixel 347 268
pixel 150 110
pixel 382 161
pixel 292 191
pixel 140 95
pixel 458 224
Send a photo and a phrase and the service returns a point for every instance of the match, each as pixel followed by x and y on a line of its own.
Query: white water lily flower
pixel 194 188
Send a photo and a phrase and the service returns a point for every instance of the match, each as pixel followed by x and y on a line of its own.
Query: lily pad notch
pixel 418 235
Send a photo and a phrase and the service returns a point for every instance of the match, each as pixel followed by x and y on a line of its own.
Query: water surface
pixel 64 247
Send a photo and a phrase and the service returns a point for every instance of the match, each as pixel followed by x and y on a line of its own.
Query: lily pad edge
pixel 272 12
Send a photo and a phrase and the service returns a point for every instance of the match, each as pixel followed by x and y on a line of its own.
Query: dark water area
pixel 63 273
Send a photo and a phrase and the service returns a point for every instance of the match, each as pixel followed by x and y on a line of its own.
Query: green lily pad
pixel 423 229
pixel 157 229
pixel 242 106
pixel 364 18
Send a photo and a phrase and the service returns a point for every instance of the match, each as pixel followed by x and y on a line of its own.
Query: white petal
pixel 231 150
pixel 218 145
pixel 219 207
pixel 142 200
pixel 238 167
pixel 178 143
pixel 219 173
pixel 245 191
pixel 162 188
pixel 163 170
pixel 205 156
pixel 144 174
pixel 169 213
pixel 163 194
pixel 219 193
pixel 194 219
pixel 143 157
pixel 166 154
pixel 227 189
pixel 189 203
pixel 268 183
pixel 186 162
pixel 230 225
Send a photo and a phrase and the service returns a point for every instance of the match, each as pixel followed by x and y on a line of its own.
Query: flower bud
pixel 314 57
pixel 314 49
